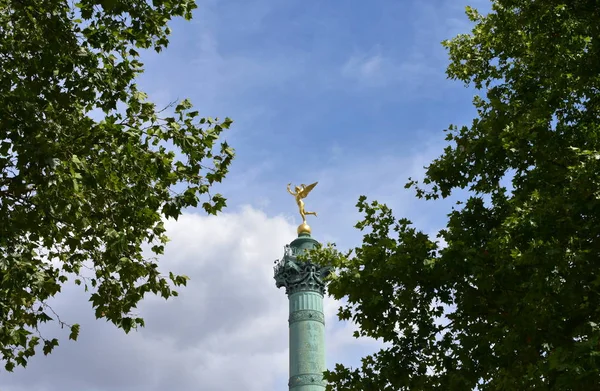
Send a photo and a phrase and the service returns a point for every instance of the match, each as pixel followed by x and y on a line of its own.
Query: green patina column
pixel 305 288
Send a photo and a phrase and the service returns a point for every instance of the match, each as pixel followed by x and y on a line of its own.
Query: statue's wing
pixel 307 189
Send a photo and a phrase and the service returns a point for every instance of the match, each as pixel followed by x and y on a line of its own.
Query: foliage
pixel 512 302
pixel 80 195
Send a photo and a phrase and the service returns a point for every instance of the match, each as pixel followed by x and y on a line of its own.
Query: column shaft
pixel 307 341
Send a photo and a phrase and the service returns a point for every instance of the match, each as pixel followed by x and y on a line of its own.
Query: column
pixel 307 341
pixel 305 287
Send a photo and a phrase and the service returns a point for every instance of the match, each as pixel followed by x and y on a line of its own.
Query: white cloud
pixel 363 66
pixel 379 177
pixel 375 69
pixel 420 65
pixel 227 329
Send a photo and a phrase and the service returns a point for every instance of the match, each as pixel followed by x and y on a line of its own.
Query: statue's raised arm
pixel 290 190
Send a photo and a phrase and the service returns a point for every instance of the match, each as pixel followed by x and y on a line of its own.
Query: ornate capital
pixel 307 379
pixel 298 276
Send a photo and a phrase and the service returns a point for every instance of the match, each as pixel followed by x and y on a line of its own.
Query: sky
pixel 354 97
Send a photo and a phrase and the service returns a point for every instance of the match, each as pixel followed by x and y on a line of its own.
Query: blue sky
pixel 316 90
pixel 351 94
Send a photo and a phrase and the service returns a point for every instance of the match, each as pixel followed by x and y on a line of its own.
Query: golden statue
pixel 301 192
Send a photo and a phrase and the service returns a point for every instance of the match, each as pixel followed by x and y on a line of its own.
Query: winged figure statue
pixel 299 193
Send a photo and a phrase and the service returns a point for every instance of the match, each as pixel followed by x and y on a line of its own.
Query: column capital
pixel 296 275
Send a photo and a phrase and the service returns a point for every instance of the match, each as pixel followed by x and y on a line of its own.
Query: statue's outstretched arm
pixel 290 190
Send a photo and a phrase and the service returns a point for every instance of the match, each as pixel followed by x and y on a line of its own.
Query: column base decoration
pixel 301 315
pixel 307 379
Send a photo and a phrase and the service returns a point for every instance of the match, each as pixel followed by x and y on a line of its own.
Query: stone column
pixel 305 289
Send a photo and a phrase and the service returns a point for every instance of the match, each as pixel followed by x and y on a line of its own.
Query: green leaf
pixel 74 332
pixel 49 346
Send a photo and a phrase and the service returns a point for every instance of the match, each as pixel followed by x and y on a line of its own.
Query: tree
pixel 80 198
pixel 512 302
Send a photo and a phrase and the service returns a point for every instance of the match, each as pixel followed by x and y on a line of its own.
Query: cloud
pixel 213 59
pixel 417 61
pixel 380 177
pixel 363 66
pixel 375 69
pixel 227 329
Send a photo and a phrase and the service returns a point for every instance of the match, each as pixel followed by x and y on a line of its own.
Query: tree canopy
pixel 512 301
pixel 81 197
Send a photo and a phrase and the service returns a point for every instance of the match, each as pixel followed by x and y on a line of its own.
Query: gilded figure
pixel 299 193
